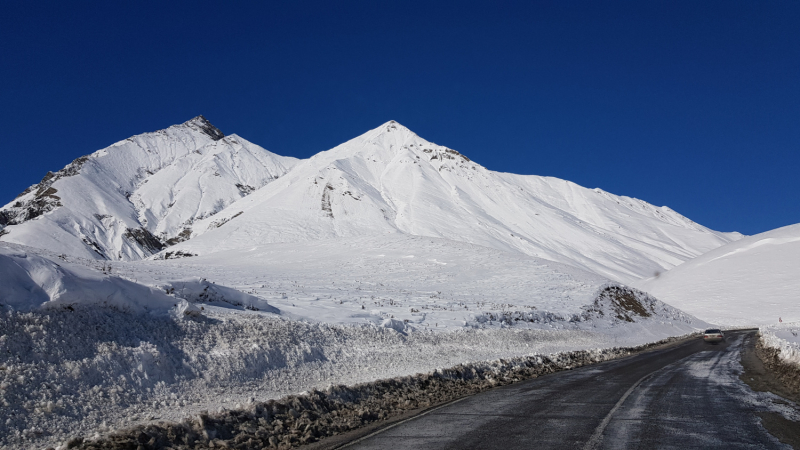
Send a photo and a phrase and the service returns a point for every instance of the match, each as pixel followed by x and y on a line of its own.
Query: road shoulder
pixel 759 378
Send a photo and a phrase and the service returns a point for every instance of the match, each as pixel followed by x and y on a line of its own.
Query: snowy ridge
pixel 751 282
pixel 130 200
pixel 390 180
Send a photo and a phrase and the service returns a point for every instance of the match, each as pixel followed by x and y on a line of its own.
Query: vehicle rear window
pixel 712 331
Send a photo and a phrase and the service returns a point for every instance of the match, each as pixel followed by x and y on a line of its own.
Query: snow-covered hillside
pixel 132 199
pixel 754 281
pixel 390 180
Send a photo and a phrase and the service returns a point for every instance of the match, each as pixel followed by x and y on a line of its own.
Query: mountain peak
pixel 392 130
pixel 393 125
pixel 202 124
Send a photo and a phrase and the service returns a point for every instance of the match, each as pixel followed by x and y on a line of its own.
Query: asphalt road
pixel 686 396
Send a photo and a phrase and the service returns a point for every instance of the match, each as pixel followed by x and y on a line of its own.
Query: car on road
pixel 713 336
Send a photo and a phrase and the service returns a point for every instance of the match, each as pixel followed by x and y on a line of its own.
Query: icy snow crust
pixel 160 182
pixel 750 282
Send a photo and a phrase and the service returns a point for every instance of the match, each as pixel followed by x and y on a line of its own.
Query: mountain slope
pixel 753 281
pixel 390 180
pixel 131 199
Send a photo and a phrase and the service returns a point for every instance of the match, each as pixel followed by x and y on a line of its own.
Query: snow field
pixel 208 333
pixel 190 190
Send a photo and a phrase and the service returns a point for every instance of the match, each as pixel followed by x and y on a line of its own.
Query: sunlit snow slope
pixel 754 281
pixel 132 199
pixel 390 180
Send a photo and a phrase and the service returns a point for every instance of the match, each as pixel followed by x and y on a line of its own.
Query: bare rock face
pixel 144 239
pixel 203 125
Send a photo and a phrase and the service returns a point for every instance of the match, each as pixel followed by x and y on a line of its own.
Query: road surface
pixel 686 396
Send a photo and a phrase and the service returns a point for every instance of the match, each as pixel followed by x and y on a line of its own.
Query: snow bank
pixel 92 369
pixel 785 338
pixel 361 310
pixel 778 346
pixel 309 417
pixel 28 281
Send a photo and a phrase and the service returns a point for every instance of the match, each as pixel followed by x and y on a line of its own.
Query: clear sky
pixel 690 104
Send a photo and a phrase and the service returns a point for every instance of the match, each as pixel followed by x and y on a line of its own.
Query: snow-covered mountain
pixel 141 195
pixel 390 180
pixel 132 199
pixel 750 282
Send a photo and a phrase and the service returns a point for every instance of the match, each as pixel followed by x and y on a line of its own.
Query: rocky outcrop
pixel 40 198
pixel 144 239
pixel 203 125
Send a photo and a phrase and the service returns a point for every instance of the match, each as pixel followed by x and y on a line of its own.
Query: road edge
pixel 758 374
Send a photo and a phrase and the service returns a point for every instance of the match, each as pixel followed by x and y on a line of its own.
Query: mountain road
pixel 684 396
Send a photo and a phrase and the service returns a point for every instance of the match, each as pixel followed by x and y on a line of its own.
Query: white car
pixel 713 336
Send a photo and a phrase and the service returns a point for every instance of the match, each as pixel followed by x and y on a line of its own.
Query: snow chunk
pixel 397 325
pixel 186 309
pixel 200 290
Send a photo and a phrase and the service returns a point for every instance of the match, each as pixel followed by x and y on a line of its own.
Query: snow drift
pixel 29 282
pixel 200 290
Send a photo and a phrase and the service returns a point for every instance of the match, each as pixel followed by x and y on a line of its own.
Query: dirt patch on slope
pixel 623 301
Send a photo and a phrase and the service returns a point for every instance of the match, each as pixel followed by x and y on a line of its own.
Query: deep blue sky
pixel 693 105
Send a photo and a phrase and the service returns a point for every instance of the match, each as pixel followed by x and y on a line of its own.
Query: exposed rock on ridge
pixel 132 199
